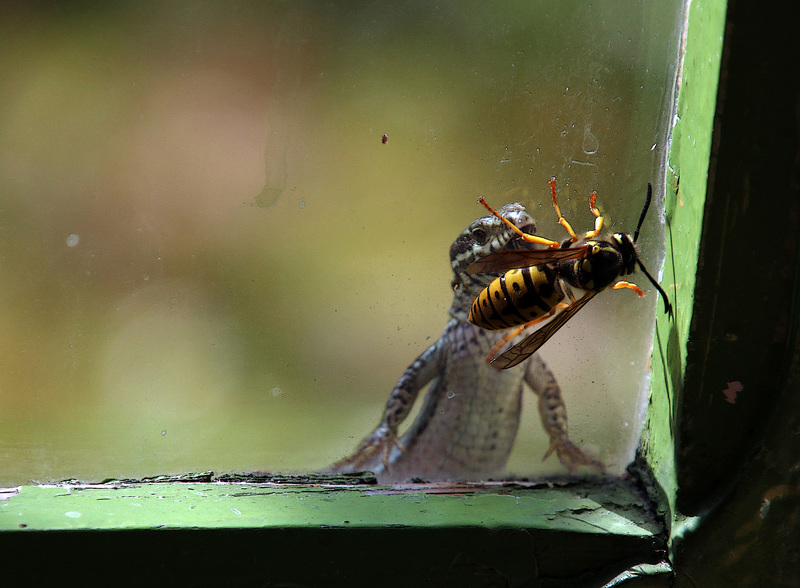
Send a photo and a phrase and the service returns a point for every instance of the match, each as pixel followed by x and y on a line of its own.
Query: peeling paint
pixel 731 391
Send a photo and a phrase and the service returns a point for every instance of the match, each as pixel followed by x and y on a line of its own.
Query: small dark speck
pixel 385 139
pixel 23 526
pixel 347 522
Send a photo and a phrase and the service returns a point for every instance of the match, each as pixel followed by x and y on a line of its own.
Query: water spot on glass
pixel 146 277
pixel 72 240
pixel 164 432
pixel 277 392
pixel 590 143
pixel 301 205
pixel 72 514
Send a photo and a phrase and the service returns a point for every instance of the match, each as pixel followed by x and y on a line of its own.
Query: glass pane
pixel 166 309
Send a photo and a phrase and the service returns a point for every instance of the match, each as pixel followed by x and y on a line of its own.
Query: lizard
pixel 469 418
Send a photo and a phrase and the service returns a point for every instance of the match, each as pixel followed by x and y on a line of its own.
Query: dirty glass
pixel 224 228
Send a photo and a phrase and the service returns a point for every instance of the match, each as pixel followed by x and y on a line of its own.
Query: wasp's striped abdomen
pixel 517 297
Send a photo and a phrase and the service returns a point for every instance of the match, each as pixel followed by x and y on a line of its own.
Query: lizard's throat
pixel 466 288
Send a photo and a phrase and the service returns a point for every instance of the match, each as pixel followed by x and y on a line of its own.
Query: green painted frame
pixel 309 530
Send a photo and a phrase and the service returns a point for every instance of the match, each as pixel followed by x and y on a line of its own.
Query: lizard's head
pixel 482 237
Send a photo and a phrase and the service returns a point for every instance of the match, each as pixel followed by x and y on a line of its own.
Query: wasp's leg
pixel 525 236
pixel 561 220
pixel 629 286
pixel 495 350
pixel 598 218
pixel 553 413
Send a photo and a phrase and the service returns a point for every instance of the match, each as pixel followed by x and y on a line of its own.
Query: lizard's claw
pixel 387 449
pixel 381 440
pixel 571 456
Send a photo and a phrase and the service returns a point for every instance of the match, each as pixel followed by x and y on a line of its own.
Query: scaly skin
pixel 470 416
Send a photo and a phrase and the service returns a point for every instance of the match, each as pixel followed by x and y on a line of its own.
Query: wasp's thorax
pixel 607 261
pixel 484 236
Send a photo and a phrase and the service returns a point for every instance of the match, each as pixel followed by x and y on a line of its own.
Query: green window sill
pixel 321 529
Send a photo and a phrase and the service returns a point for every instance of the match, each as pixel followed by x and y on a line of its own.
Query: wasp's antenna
pixel 644 211
pixel 667 305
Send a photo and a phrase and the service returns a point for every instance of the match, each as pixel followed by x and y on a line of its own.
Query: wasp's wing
pixel 531 344
pixel 502 261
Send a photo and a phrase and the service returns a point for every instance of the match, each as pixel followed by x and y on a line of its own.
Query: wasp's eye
pixel 479 235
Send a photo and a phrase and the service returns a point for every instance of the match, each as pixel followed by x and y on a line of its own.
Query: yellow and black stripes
pixel 518 296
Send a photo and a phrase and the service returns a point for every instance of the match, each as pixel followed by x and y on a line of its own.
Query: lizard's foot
pixel 381 440
pixel 571 456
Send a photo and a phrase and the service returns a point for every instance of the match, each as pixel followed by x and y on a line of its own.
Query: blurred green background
pixel 210 260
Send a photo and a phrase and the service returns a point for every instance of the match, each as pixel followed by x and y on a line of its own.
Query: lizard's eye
pixel 479 235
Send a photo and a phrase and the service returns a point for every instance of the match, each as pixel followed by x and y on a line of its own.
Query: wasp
pixel 537 282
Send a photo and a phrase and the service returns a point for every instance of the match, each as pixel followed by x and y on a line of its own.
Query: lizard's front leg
pixel 553 413
pixel 385 436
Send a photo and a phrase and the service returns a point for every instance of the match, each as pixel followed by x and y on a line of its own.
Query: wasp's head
pixel 605 261
pixel 628 255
